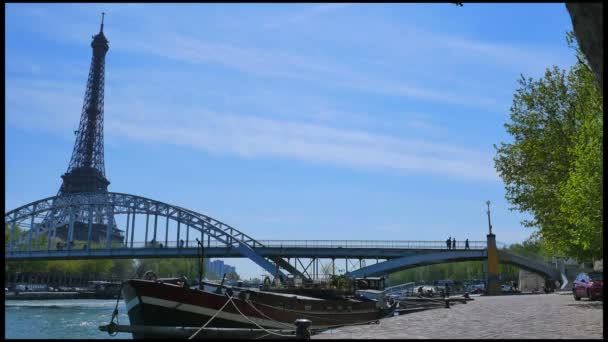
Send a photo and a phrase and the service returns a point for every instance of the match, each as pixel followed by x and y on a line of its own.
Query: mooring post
pixel 303 328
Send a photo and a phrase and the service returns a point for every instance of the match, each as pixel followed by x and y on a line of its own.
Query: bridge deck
pixel 222 252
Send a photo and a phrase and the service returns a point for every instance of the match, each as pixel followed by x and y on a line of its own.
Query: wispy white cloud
pixel 267 63
pixel 524 58
pixel 303 15
pixel 245 135
pixel 250 137
pixel 270 63
pixel 51 105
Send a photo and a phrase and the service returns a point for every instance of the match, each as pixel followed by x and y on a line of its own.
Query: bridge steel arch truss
pixel 303 258
pixel 98 208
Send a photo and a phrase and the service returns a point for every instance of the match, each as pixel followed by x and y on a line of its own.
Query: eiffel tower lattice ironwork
pixel 86 171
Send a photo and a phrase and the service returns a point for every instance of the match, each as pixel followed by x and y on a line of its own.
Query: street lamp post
pixel 489 223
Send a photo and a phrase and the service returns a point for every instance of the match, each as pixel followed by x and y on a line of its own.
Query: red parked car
pixel 589 285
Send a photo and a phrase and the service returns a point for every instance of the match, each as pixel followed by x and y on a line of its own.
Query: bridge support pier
pixel 492 274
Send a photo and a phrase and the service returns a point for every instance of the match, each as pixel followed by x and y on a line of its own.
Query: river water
pixel 61 318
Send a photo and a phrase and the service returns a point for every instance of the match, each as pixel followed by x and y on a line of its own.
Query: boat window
pixel 598 276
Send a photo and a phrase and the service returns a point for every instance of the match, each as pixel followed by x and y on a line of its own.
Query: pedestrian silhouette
pixel 466 244
pixel 448 242
pixel 453 243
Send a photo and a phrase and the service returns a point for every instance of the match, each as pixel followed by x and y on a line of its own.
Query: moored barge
pixel 172 303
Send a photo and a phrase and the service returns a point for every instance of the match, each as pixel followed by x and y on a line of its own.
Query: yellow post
pixel 493 272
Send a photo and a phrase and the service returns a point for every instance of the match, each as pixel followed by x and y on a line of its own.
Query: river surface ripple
pixel 61 318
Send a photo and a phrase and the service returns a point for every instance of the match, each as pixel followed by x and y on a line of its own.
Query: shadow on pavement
pixel 589 305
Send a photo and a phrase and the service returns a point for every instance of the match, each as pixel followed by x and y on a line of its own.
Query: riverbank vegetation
pixel 100 268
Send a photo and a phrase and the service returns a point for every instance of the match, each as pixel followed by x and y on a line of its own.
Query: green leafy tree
pixel 232 276
pixel 553 167
pixel 581 196
pixel 170 267
pixel 458 271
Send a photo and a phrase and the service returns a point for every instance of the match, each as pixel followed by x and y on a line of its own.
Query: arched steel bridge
pixel 34 236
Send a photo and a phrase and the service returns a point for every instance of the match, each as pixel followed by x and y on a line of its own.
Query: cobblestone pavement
pixel 549 316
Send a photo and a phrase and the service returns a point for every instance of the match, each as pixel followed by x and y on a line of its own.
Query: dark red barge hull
pixel 163 304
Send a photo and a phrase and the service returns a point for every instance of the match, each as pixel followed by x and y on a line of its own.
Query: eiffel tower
pixel 86 171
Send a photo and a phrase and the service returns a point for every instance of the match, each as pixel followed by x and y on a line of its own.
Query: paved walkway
pixel 550 316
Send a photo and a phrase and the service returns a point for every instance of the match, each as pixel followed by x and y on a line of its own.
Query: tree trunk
pixel 588 23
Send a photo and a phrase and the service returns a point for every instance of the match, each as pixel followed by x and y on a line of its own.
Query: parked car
pixel 476 290
pixel 589 285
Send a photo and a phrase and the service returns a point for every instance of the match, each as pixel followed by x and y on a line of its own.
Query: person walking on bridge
pixel 447 242
pixel 466 244
pixel 453 243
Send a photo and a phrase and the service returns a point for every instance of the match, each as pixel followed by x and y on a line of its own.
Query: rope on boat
pixel 374 321
pixel 255 323
pixel 266 316
pixel 261 337
pixel 269 332
pixel 112 331
pixel 211 319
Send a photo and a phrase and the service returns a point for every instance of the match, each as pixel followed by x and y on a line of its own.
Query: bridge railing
pixel 401 244
pixel 383 244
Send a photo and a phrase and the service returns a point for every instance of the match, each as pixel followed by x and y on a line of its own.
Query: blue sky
pixel 286 121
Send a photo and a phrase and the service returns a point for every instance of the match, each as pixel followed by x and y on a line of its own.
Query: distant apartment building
pixel 219 268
